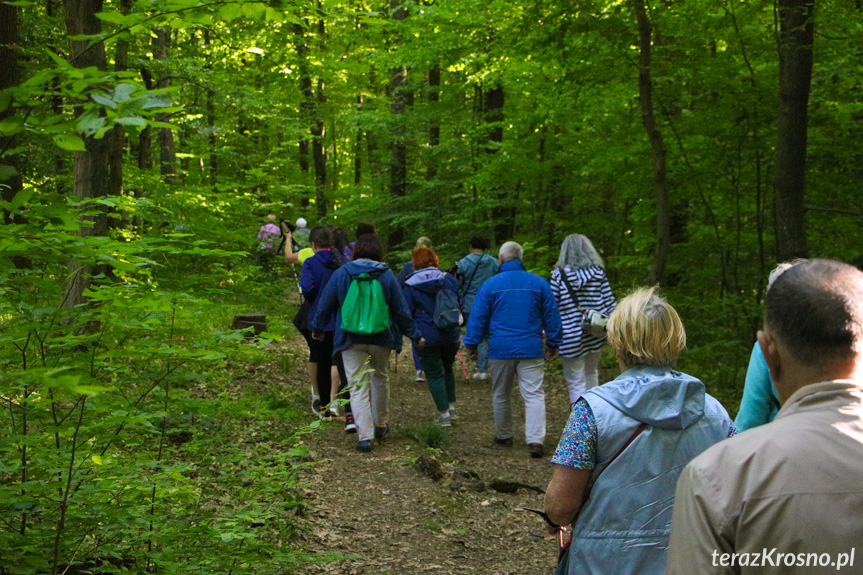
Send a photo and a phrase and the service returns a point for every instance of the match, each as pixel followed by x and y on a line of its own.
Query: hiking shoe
pixel 420 376
pixel 381 432
pixel 364 445
pixel 350 426
pixel 444 420
pixel 480 375
pixel 503 442
pixel 452 414
pixel 316 406
pixel 536 450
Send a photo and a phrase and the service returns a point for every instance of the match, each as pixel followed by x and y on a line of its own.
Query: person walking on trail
pixel 514 308
pixel 421 292
pixel 625 444
pixel 369 391
pixel 316 273
pixel 474 270
pixel 786 497
pixel 578 283
pixel 301 235
pixel 404 274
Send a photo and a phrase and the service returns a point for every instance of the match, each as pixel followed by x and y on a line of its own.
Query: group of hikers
pixel 650 475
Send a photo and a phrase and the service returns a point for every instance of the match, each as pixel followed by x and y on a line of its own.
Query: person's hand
pixel 551 353
pixel 473 354
pixel 318 336
pixel 421 343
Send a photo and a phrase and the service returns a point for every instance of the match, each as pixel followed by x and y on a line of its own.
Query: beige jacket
pixel 794 486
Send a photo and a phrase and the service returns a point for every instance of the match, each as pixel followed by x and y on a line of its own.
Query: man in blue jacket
pixel 514 308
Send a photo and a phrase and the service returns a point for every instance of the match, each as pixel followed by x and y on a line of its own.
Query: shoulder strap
pixel 473 275
pixel 571 291
pixel 642 426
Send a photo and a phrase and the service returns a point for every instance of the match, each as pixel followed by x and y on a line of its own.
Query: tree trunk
pixel 92 172
pixel 503 213
pixel 400 99
pixel 434 129
pixel 10 172
pixel 307 106
pixel 167 150
pixel 211 120
pixel 796 39
pixel 145 136
pixel 358 148
pixel 657 145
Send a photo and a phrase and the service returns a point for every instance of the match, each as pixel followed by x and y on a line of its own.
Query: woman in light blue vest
pixel 617 463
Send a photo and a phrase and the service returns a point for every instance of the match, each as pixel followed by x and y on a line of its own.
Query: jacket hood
pixel 365 266
pixel 580 276
pixel 428 280
pixel 659 397
pixel 328 259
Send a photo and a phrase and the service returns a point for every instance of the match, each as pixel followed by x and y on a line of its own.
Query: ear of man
pixel 773 359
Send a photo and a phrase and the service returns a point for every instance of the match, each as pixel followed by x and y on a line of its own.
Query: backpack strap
pixel 470 281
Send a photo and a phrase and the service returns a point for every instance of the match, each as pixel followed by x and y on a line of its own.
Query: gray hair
pixel 510 251
pixel 783 267
pixel 576 251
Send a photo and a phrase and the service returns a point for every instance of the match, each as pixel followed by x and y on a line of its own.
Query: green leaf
pixel 112 17
pixel 123 92
pixel 131 121
pixel 21 198
pixel 230 12
pixel 5 99
pixel 12 125
pixel 104 99
pixel 71 142
pixel 97 459
pixel 7 172
pixel 90 122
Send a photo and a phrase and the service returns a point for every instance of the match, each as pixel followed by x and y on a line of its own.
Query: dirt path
pixel 394 519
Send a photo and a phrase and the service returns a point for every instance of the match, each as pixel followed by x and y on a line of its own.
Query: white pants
pixel 369 402
pixel 530 376
pixel 581 373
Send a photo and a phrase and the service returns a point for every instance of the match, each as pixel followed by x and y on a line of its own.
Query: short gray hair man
pixel 510 251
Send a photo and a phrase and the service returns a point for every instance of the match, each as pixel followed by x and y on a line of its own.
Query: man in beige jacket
pixel 787 497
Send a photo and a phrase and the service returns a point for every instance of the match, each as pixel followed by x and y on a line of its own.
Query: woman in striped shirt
pixel 578 283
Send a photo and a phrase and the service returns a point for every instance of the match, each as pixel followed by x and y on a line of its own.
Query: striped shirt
pixel 593 292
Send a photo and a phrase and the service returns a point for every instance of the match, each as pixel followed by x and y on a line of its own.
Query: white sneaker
pixel 420 376
pixel 480 375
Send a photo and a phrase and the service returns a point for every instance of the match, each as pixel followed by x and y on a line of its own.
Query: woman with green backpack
pixel 370 317
pixel 433 302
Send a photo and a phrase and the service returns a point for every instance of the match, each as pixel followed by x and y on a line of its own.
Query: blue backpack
pixel 447 310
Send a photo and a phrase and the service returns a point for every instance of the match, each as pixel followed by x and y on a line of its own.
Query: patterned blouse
pixel 577 447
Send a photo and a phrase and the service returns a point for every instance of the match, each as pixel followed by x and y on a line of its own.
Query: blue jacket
pixel 473 271
pixel 625 522
pixel 316 272
pixel 331 299
pixel 760 403
pixel 420 291
pixel 514 307
pixel 407 270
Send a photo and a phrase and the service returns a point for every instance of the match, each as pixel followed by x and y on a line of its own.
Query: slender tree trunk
pixel 10 171
pixel 434 129
pixel 211 121
pixel 503 214
pixel 358 148
pixel 92 172
pixel 52 11
pixel 796 39
pixel 400 98
pixel 307 106
pixel 657 145
pixel 145 136
pixel 167 150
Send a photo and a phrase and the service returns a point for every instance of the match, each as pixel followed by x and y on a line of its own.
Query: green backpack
pixel 365 311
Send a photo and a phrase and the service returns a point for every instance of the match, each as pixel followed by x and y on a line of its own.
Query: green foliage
pixel 430 436
pixel 129 445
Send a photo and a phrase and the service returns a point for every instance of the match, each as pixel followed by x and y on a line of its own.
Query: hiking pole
pixel 461 361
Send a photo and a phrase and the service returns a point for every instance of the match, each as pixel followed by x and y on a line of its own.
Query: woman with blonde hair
pixel 578 284
pixel 625 444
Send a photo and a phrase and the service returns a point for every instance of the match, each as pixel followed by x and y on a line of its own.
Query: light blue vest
pixel 624 525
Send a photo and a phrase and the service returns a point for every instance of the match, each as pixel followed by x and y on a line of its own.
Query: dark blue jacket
pixel 420 291
pixel 406 272
pixel 315 274
pixel 514 307
pixel 331 299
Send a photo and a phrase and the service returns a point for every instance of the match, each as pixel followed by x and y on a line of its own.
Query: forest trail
pixel 396 520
